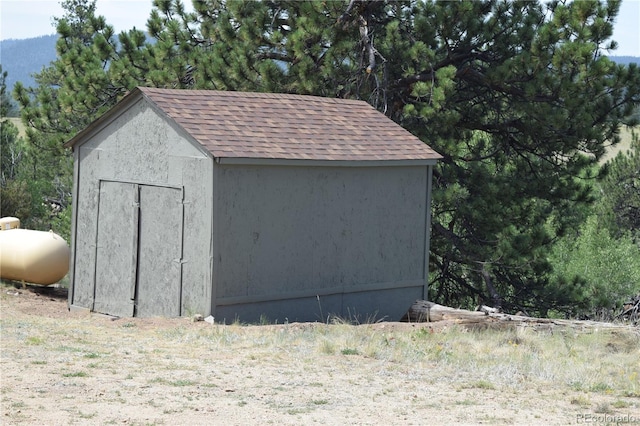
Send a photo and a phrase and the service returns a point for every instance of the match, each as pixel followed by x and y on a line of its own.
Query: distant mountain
pixel 22 58
pixel 625 60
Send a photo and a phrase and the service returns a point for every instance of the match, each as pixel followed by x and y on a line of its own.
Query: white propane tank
pixel 36 257
pixel 9 222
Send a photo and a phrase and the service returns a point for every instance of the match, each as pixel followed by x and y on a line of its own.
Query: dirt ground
pixel 60 368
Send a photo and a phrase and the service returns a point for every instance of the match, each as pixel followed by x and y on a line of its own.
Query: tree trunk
pixel 495 297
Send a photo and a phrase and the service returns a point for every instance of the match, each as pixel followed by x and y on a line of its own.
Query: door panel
pixel 159 286
pixel 116 248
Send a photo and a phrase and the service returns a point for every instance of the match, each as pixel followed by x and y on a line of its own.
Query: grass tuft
pixel 76 374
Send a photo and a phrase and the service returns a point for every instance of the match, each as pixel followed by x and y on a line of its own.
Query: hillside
pixel 626 136
pixel 18 123
pixel 22 58
pixel 625 60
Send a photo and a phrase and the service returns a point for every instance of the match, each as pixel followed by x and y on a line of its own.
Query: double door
pixel 138 268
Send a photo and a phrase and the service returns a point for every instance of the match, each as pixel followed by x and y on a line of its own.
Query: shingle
pixel 284 126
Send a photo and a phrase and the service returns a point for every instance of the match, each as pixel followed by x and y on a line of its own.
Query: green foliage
pixel 619 191
pixel 597 266
pixel 11 151
pixel 7 107
pixel 15 199
pixel 604 271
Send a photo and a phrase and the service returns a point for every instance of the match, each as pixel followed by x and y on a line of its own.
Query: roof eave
pixel 244 161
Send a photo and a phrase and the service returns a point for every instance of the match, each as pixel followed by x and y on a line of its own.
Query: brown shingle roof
pixel 291 127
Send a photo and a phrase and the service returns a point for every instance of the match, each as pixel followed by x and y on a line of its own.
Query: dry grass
pixel 626 136
pixel 62 369
pixel 18 123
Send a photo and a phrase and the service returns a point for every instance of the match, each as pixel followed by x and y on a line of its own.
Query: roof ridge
pixel 253 94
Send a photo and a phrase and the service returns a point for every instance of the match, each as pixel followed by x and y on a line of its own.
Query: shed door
pixel 116 249
pixel 139 250
pixel 159 287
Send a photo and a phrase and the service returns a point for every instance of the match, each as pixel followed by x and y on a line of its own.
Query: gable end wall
pixel 139 146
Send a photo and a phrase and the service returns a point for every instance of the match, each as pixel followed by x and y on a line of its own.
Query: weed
pixel 621 404
pixel 580 400
pixel 183 382
pixel 64 348
pixel 264 320
pixel 603 408
pixel 294 411
pixel 327 347
pixel 600 387
pixel 34 340
pixel 86 415
pixel 576 385
pixel 76 374
pixel 349 351
pixel 482 384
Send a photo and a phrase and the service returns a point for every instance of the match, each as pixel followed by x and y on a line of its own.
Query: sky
pixel 32 18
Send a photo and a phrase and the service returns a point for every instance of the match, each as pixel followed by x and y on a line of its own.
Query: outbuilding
pixel 248 206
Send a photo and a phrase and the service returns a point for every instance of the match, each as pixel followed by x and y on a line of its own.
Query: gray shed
pixel 248 206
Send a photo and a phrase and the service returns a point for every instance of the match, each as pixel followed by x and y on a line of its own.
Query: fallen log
pixel 425 311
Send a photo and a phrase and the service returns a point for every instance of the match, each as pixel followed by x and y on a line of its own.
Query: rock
pixel 210 319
